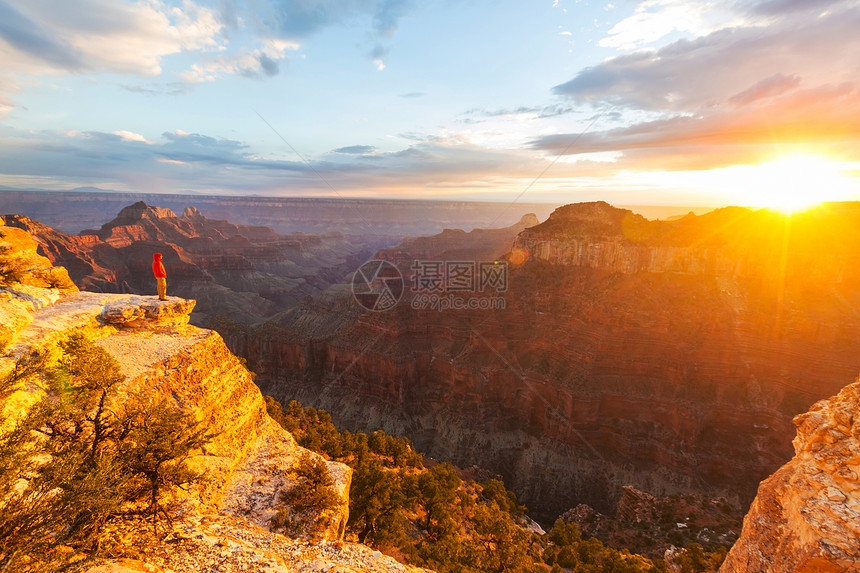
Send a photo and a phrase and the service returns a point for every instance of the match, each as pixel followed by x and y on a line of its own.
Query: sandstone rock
pixel 147 312
pixel 36 285
pixel 35 270
pixel 806 516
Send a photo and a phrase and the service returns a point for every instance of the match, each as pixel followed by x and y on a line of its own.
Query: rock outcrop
pixel 251 458
pixel 26 279
pixel 806 516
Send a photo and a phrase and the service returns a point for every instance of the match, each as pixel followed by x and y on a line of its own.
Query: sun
pixel 792 183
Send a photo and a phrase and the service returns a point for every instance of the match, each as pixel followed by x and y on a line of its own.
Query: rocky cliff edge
pixel 806 516
pixel 250 460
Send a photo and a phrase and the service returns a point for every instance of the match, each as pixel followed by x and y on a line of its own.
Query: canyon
pixel 71 212
pixel 668 355
pixel 673 356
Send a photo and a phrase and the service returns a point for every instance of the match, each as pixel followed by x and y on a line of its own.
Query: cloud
pixel 413 95
pixel 826 117
pixel 26 36
pixel 782 75
pixel 296 19
pixel 130 136
pixel 257 64
pixel 540 112
pixel 42 36
pixel 689 76
pixel 780 7
pixel 356 149
pixel 769 87
pixel 377 55
pixel 388 14
pixel 299 19
pixel 653 20
pixel 175 161
pixel 179 161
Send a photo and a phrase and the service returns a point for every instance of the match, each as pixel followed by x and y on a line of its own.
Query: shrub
pixel 305 503
pixel 69 464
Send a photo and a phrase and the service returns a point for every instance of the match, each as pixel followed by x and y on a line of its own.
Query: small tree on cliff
pixel 78 411
pixel 503 546
pixel 157 449
pixel 437 490
pixel 305 503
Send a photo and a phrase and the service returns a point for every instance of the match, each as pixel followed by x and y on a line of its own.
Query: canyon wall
pixel 673 357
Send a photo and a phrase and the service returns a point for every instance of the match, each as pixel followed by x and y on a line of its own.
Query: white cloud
pixel 104 35
pixel 131 136
pixel 656 19
pixel 258 63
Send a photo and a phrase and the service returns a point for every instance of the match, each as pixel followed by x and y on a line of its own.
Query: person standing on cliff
pixel 160 276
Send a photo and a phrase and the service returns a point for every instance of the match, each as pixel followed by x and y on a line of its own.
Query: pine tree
pixel 377 502
pixel 54 489
pixel 157 449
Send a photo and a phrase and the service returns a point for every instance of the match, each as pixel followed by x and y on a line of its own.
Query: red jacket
pixel 157 267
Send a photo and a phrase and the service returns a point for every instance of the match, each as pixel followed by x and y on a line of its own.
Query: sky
pixel 654 102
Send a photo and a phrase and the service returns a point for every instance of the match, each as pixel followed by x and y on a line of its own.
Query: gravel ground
pixel 223 544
